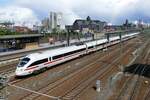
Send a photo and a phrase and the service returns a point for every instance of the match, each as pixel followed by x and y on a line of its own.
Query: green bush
pixel 4 31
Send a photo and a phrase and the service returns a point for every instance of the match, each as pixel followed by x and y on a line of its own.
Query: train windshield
pixel 23 62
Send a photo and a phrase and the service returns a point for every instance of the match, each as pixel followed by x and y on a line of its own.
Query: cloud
pixel 43 8
pixel 113 11
pixel 19 15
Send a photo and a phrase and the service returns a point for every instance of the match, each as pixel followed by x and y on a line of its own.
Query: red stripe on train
pixel 31 68
pixel 53 61
pixel 59 59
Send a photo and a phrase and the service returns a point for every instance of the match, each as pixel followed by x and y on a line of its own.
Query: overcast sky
pixel 112 11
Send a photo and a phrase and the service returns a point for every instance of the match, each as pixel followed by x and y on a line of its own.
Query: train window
pixel 90 47
pixel 69 53
pixel 100 44
pixel 66 54
pixel 58 56
pixel 23 62
pixel 79 43
pixel 39 62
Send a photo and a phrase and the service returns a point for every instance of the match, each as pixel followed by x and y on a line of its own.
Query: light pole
pixel 121 51
pixel 68 37
pixel 96 41
pixel 108 39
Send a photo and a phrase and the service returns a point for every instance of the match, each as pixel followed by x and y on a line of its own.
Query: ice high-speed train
pixel 35 62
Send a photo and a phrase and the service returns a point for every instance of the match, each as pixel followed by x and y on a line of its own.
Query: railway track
pixel 107 79
pixel 8 70
pixel 58 82
pixel 8 73
pixel 38 77
pixel 20 81
pixel 83 81
pixel 76 91
pixel 109 67
pixel 147 94
pixel 133 83
pixel 140 79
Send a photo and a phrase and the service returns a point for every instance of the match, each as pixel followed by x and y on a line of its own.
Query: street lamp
pixel 108 40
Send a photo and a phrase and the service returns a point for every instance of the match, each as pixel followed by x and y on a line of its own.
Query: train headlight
pixel 19 69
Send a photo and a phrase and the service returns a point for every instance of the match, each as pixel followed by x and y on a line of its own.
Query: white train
pixel 32 63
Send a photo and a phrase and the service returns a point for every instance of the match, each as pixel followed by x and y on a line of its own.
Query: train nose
pixel 20 72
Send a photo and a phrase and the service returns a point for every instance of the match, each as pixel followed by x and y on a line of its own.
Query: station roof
pixel 20 36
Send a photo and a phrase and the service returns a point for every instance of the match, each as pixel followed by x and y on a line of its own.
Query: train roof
pixel 96 42
pixel 54 52
pixel 114 38
pixel 58 51
pixel 131 34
